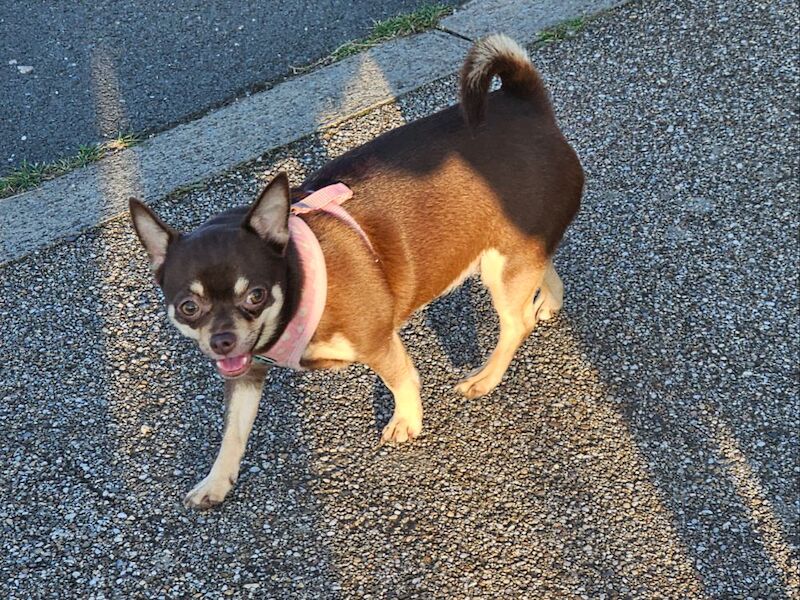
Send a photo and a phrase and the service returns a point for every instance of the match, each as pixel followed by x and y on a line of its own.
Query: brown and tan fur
pixel 489 188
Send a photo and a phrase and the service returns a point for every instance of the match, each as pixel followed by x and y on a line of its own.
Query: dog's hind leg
pixel 393 364
pixel 512 282
pixel 549 300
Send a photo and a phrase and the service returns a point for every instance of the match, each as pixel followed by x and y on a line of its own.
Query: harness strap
pixel 288 350
pixel 330 199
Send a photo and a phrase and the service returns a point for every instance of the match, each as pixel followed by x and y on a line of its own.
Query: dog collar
pixel 292 343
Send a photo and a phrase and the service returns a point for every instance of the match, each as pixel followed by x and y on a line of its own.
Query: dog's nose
pixel 223 343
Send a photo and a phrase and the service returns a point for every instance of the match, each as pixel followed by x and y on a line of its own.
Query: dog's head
pixel 224 283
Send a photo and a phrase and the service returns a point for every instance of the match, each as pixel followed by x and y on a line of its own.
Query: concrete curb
pixel 245 130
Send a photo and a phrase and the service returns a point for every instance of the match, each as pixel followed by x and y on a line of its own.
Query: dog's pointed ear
pixel 154 234
pixel 269 214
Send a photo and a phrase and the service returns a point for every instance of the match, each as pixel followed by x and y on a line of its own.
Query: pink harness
pixel 289 349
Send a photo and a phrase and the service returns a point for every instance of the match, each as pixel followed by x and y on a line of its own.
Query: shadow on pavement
pixel 645 320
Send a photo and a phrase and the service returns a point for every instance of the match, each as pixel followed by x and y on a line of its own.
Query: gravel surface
pixel 642 445
pixel 144 65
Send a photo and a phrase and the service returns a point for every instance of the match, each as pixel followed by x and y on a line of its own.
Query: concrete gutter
pixel 243 131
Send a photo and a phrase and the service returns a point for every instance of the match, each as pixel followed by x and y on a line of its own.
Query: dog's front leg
pixel 242 396
pixel 394 366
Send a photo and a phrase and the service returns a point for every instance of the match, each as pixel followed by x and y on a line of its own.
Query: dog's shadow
pixel 454 320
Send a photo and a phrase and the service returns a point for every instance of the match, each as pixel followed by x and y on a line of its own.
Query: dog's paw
pixel 545 308
pixel 402 429
pixel 546 312
pixel 476 385
pixel 209 492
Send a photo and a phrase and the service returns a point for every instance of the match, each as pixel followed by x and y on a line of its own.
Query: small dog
pixel 491 190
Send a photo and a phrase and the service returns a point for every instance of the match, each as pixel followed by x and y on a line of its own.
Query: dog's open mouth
pixel 233 366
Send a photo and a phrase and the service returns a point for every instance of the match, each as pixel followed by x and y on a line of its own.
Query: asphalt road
pixel 100 68
pixel 643 445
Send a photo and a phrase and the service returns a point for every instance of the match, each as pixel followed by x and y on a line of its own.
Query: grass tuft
pixel 27 176
pixel 426 17
pixel 121 142
pixel 562 31
pixel 30 175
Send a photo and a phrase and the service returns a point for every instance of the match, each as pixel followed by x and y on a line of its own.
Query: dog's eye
pixel 189 308
pixel 256 296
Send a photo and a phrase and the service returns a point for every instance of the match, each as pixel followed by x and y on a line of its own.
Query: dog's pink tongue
pixel 232 364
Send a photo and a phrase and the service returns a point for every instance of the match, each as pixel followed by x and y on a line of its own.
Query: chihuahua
pixel 380 232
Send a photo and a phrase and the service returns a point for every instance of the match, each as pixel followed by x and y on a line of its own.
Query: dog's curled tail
pixel 499 55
